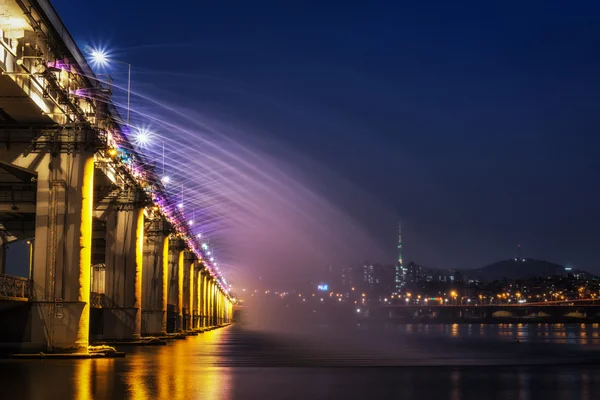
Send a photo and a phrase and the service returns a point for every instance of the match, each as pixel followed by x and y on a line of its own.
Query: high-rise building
pixel 414 273
pixel 400 272
pixel 377 280
pixel 346 278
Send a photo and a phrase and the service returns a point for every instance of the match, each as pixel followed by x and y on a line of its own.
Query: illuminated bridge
pixel 552 311
pixel 112 256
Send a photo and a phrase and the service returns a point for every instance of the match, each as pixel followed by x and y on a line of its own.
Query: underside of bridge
pixel 73 186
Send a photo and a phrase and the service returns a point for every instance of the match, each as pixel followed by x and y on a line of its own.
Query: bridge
pixel 112 256
pixel 580 310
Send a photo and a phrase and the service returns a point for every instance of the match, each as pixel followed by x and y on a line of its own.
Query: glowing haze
pixel 259 206
pixel 251 199
pixel 475 124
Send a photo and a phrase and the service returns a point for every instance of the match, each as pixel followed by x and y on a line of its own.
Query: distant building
pixel 375 280
pixel 332 278
pixel 346 278
pixel 414 273
pixel 400 271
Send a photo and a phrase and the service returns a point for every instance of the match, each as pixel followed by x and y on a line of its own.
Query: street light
pixel 30 243
pixel 100 57
pixel 142 137
pixel 165 178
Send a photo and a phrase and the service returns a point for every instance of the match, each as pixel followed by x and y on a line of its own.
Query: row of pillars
pixel 146 272
pixel 173 276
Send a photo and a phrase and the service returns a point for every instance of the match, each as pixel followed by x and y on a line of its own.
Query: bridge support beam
pixel 219 304
pixel 209 296
pixel 155 268
pixel 213 304
pixel 204 304
pixel 197 294
pixel 175 290
pixel 220 321
pixel 188 289
pixel 122 316
pixel 209 301
pixel 63 232
pixel 219 307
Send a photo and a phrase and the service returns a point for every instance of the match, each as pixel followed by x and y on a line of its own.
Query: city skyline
pixel 452 114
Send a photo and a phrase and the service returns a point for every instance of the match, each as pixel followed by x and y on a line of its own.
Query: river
pixel 456 361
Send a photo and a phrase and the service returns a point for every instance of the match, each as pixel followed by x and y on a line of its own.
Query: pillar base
pixel 186 322
pixel 119 324
pixel 174 323
pixel 56 328
pixel 153 323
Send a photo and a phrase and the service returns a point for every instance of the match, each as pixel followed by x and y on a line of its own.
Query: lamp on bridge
pixel 30 244
pixel 101 58
pixel 142 137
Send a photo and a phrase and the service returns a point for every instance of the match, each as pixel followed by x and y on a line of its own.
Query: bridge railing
pixel 15 287
pixel 559 303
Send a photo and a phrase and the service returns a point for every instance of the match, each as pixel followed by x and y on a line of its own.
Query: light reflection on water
pixel 223 365
pixel 583 334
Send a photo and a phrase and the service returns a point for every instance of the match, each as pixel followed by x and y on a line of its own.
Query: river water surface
pixel 509 361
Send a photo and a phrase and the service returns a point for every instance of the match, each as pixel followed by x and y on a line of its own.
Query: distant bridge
pixel 565 311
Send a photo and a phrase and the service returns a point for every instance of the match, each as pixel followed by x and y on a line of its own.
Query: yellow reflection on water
pixel 137 380
pixel 184 369
pixel 93 378
pixel 83 380
pixel 103 373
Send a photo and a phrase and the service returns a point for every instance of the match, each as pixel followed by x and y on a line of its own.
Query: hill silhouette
pixel 518 268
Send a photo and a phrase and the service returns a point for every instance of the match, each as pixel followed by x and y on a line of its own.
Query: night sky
pixel 475 124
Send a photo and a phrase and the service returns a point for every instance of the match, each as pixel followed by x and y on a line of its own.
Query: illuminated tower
pixel 400 275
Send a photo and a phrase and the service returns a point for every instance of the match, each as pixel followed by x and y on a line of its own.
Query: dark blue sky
pixel 476 123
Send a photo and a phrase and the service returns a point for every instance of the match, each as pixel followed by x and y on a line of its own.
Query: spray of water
pixel 251 197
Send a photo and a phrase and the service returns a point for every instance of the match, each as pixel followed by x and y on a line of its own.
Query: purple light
pixel 82 92
pixel 59 64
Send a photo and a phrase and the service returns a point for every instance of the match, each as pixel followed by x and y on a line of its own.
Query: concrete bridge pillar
pixel 197 295
pixel 63 231
pixel 122 315
pixel 204 299
pixel 209 303
pixel 220 305
pixel 213 304
pixel 155 267
pixel 188 289
pixel 221 308
pixel 217 301
pixel 175 289
pixel 226 310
